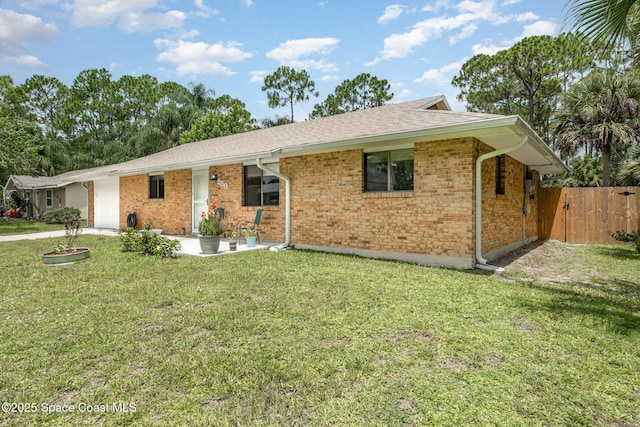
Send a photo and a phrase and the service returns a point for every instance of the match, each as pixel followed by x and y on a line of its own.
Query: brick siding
pixel 502 214
pixel 171 214
pixel 329 207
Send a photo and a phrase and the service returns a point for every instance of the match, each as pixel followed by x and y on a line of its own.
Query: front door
pixel 200 192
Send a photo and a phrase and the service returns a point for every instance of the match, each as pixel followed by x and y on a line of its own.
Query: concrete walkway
pixel 190 244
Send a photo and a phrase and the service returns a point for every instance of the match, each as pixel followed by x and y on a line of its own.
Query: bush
pixel 133 240
pixel 623 236
pixel 61 215
pixel 130 239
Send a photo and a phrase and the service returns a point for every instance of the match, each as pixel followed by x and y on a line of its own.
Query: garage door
pixel 106 196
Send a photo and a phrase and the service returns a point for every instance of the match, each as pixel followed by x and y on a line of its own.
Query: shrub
pixel 133 240
pixel 61 215
pixel 129 239
pixel 623 236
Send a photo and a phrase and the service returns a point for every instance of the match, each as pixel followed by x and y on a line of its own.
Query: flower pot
pixel 68 257
pixel 209 244
pixel 251 241
pixel 233 246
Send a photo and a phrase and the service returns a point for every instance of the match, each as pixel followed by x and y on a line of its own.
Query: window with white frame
pixel 49 198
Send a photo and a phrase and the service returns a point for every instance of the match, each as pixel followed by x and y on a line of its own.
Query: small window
pixel 501 174
pixel 49 198
pixel 156 187
pixel 260 188
pixel 388 171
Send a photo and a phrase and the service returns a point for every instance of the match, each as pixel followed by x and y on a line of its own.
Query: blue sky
pixel 229 46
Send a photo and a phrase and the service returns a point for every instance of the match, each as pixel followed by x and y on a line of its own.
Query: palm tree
pixel 611 21
pixel 585 172
pixel 600 111
pixel 629 172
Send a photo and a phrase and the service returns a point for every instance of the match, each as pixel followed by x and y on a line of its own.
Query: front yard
pixel 304 338
pixel 9 226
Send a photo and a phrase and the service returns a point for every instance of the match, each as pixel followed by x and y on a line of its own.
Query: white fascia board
pixel 201 164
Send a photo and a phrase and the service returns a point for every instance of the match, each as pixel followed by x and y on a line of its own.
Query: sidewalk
pixel 48 234
pixel 190 244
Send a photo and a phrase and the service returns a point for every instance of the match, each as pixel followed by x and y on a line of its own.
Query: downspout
pixel 287 203
pixel 481 262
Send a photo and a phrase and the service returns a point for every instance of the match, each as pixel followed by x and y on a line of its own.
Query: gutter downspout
pixel 287 203
pixel 481 262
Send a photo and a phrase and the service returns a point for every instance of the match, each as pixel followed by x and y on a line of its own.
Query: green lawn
pixel 22 226
pixel 310 339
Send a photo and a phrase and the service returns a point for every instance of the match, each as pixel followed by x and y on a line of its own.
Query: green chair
pixel 245 224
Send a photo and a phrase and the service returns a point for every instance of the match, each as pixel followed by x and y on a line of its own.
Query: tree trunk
pixel 606 165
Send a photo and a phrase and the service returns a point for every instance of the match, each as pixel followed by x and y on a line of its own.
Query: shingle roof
pixel 385 120
pixel 428 116
pixel 28 182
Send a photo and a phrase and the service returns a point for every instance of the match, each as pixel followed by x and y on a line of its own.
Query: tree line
pixel 48 128
pixel 579 94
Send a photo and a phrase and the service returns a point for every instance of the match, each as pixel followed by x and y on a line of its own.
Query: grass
pixel 22 226
pixel 303 338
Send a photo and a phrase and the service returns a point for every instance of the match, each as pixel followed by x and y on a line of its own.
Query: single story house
pixel 43 193
pixel 412 181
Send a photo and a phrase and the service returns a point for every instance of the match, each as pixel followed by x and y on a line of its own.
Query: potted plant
pixel 210 229
pixel 232 237
pixel 251 234
pixel 65 253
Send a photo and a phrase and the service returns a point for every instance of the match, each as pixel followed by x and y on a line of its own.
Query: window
pixel 260 188
pixel 156 187
pixel 49 198
pixel 501 174
pixel 389 171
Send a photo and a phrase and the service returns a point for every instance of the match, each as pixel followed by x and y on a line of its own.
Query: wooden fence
pixel 585 215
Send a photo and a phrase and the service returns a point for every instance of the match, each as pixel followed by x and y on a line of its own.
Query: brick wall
pixel 231 199
pixel 171 214
pixel 330 209
pixel 502 214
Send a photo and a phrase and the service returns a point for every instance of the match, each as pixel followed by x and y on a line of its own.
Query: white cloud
pixel 130 15
pixel 200 57
pixel 258 76
pixel 464 34
pixel 391 13
pixel 20 28
pixel 510 2
pixel 17 31
pixel 487 49
pixel 134 22
pixel 294 49
pixel 402 45
pixel 330 78
pixel 247 3
pixel 439 4
pixel 442 74
pixel 404 94
pixel 462 24
pixel 29 60
pixel 204 10
pixel 298 53
pixel 528 16
pixel 540 28
pixel 430 76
